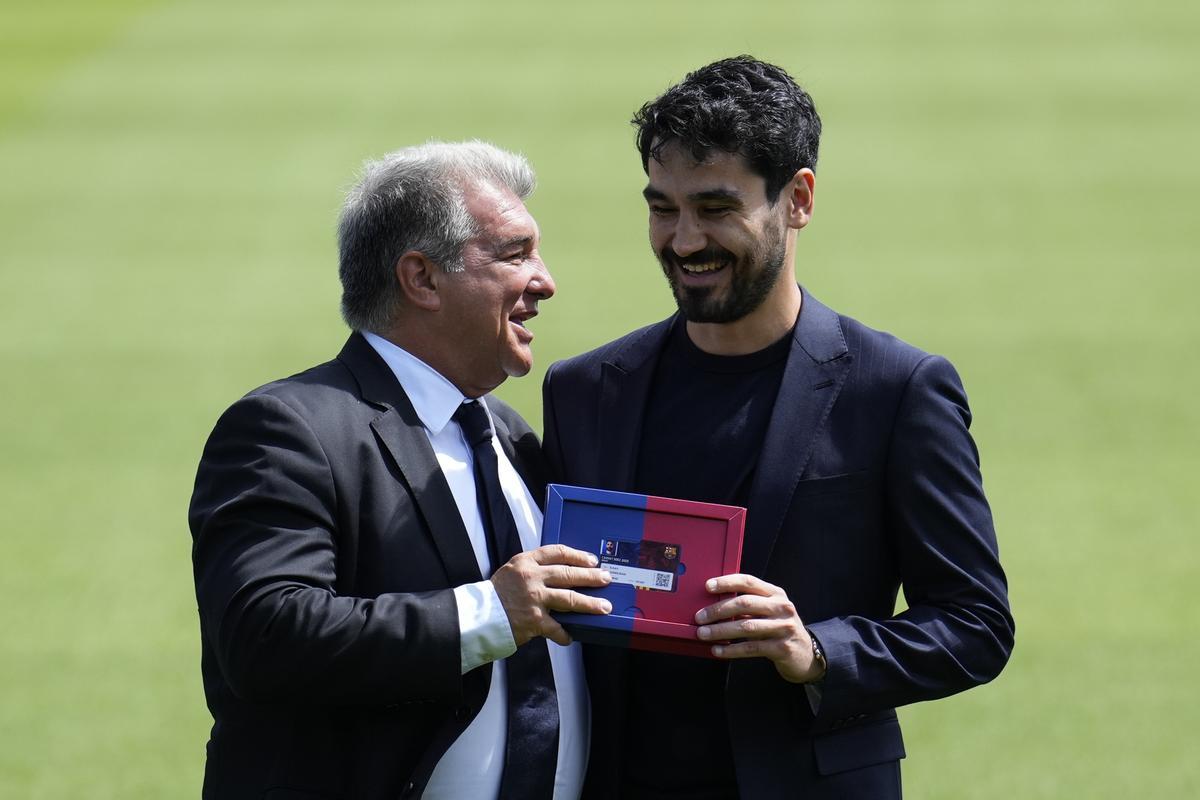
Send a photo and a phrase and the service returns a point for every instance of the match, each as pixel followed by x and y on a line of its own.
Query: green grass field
pixel 1010 184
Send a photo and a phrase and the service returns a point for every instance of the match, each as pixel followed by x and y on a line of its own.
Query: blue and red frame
pixel 710 542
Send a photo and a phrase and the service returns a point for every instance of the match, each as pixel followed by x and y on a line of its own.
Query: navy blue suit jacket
pixel 868 480
pixel 327 545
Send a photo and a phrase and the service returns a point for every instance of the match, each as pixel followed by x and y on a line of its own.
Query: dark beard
pixel 751 282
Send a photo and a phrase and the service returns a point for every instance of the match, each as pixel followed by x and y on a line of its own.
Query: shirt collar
pixel 434 398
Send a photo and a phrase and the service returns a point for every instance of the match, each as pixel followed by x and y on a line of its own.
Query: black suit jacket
pixel 868 480
pixel 326 547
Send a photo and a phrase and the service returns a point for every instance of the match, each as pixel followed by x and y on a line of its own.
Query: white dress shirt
pixel 474 764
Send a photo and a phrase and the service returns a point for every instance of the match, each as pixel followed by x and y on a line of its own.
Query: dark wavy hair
pixel 738 105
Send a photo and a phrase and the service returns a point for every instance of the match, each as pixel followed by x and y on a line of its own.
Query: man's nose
pixel 688 236
pixel 542 283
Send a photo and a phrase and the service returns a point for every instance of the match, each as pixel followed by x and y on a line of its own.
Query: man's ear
pixel 798 194
pixel 419 280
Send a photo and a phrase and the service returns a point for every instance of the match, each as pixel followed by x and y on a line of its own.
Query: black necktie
pixel 531 754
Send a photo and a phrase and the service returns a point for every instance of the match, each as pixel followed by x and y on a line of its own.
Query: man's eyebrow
pixel 721 194
pixel 516 241
pixel 707 196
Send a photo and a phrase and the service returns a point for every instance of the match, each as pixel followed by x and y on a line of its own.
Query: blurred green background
pixel 1011 184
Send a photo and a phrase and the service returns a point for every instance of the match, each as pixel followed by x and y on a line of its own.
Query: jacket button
pixel 461 713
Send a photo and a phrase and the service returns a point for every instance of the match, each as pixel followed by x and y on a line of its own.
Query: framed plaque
pixel 659 552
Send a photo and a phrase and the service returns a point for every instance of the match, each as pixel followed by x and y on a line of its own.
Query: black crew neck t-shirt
pixel 703 429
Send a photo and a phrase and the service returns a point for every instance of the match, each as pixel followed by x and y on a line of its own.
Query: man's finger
pixel 749 649
pixel 741 606
pixel 563 576
pixel 753 628
pixel 745 584
pixel 561 554
pixel 566 600
pixel 555 632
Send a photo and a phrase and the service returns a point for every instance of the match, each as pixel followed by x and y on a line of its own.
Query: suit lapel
pixel 816 369
pixel 623 393
pixel 624 390
pixel 401 433
pixel 405 439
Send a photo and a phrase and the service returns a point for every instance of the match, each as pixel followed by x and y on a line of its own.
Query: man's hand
pixel 534 583
pixel 760 621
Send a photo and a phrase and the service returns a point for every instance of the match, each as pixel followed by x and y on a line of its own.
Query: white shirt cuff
pixel 483 626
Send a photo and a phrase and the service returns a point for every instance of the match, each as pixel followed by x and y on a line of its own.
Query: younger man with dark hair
pixel 849 447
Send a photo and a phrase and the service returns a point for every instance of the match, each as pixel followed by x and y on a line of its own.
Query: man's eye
pixel 661 211
pixel 716 211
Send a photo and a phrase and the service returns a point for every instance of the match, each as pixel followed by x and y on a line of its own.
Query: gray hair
pixel 413 199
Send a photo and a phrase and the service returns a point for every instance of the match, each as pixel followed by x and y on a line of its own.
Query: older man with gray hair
pixel 373 603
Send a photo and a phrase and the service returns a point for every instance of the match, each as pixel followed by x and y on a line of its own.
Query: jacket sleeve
pixel 957 631
pixel 263 520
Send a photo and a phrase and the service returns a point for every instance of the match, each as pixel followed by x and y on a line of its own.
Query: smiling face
pixel 485 307
pixel 721 244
